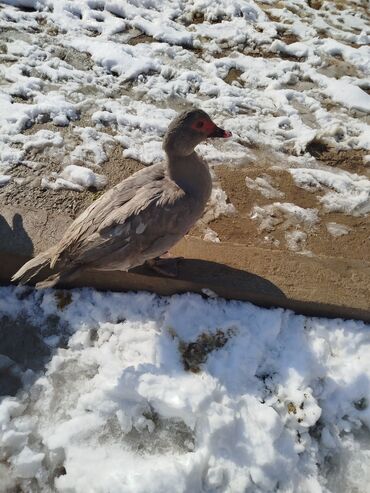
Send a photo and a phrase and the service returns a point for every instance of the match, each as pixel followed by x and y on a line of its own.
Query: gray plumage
pixel 140 218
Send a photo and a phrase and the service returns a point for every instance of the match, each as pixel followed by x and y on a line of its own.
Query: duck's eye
pixel 199 124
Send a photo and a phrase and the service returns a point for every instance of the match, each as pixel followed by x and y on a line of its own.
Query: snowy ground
pixel 182 394
pixel 134 393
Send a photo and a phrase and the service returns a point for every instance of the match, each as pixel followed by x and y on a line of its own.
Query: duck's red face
pixel 207 128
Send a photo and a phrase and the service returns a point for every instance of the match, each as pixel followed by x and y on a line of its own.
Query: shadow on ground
pixel 14 238
pixel 22 349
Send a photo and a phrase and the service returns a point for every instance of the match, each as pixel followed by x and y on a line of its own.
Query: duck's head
pixel 189 129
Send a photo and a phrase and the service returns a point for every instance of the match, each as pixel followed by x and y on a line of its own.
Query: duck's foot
pixel 168 267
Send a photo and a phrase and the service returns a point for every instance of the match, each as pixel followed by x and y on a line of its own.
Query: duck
pixel 141 218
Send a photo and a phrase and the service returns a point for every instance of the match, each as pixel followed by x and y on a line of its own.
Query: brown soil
pixel 29 194
pixel 141 38
pixel 348 160
pixel 259 52
pixel 198 18
pixel 289 38
pixel 315 4
pixel 335 67
pixel 196 353
pixel 233 75
pixel 240 228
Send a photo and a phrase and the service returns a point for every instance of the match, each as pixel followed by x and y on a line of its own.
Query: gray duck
pixel 142 217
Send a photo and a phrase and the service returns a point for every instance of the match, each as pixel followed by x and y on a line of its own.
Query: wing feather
pixel 119 220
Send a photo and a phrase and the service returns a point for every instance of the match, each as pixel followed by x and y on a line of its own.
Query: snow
pixel 348 193
pixel 336 229
pixel 117 409
pixel 295 221
pixel 4 179
pixel 136 89
pixel 263 184
pixel 272 214
pixel 210 235
pixel 26 463
pixel 348 95
pixel 84 177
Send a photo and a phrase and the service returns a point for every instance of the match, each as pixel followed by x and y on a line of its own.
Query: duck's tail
pixel 43 266
pixel 34 267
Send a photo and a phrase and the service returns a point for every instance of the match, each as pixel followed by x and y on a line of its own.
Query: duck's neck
pixel 191 174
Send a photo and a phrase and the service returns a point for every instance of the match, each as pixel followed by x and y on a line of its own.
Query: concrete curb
pixel 314 286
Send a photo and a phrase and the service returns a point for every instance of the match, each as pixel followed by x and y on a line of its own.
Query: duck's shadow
pixel 200 276
pixel 16 247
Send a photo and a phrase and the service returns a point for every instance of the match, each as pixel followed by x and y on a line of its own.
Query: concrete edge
pixel 196 275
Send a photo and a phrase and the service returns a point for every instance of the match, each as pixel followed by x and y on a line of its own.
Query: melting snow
pixel 118 410
pixel 336 229
pixel 132 65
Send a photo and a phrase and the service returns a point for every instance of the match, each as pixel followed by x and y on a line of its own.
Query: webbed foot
pixel 168 267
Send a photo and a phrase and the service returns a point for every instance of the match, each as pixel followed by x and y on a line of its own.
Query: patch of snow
pixel 269 216
pixel 217 206
pixel 83 176
pixel 93 148
pixel 336 229
pixel 347 94
pixel 27 463
pixel 281 403
pixel 348 193
pixel 296 240
pixel 295 221
pixel 263 184
pixel 210 235
pixel 4 180
pixel 57 183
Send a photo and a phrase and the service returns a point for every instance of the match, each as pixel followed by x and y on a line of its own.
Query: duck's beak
pixel 220 132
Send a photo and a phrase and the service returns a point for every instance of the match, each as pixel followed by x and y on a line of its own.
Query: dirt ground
pixel 241 228
pixel 237 228
pixel 69 202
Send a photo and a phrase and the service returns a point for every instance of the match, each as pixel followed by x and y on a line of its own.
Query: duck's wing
pixel 155 204
pixel 90 220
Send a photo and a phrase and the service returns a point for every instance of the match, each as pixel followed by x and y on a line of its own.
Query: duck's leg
pixel 166 265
